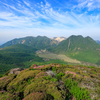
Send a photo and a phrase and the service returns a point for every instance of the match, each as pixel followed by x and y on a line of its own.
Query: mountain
pixel 39 42
pixel 51 82
pixel 80 48
pixel 58 39
pixel 97 41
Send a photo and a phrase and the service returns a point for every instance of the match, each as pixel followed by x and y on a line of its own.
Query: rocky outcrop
pixel 59 39
pixel 16 71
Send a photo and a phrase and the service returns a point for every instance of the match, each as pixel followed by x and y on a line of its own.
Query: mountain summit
pixel 59 39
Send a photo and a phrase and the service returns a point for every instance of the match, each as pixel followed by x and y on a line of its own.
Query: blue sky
pixel 51 18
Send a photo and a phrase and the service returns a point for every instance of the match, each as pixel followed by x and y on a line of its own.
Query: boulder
pixel 16 71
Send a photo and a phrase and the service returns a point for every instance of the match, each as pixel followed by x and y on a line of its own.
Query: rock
pixel 50 73
pixel 16 71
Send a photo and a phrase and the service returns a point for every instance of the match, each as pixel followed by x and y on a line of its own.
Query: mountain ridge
pixel 80 48
pixel 37 42
pixel 76 46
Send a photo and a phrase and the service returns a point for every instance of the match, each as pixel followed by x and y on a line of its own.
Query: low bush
pixel 58 76
pixel 50 78
pixel 77 92
pixel 29 80
pixel 1 75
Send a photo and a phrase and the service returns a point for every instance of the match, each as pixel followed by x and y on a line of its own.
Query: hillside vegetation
pixel 52 82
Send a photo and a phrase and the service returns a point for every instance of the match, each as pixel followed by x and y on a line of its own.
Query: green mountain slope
pixel 25 40
pixel 40 42
pixel 20 48
pixel 16 55
pixel 80 48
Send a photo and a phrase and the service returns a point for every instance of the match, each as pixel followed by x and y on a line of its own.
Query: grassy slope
pixel 64 82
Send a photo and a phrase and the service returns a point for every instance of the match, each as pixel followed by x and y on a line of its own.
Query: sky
pixel 51 18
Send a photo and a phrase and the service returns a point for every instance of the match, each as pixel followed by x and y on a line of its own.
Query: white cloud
pixel 90 4
pixel 45 20
pixel 27 3
pixel 48 13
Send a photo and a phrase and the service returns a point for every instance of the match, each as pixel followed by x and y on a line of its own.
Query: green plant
pixel 29 80
pixel 53 79
pixel 47 77
pixel 79 93
pixel 58 76
pixel 33 69
pixel 94 72
pixel 50 78
pixel 1 75
pixel 99 91
pixel 53 69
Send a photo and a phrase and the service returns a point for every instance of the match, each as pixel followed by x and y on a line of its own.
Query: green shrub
pixel 94 72
pixel 53 69
pixel 29 80
pixel 99 91
pixel 58 76
pixel 33 69
pixel 79 93
pixel 50 78
pixel 53 79
pixel 1 75
pixel 47 77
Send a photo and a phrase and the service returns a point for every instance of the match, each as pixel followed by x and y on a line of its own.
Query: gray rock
pixel 51 73
pixel 16 71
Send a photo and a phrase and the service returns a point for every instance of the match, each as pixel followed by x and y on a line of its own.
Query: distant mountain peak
pixel 59 39
pixel 98 41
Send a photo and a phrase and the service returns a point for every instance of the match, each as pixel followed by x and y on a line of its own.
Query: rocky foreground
pixel 51 82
